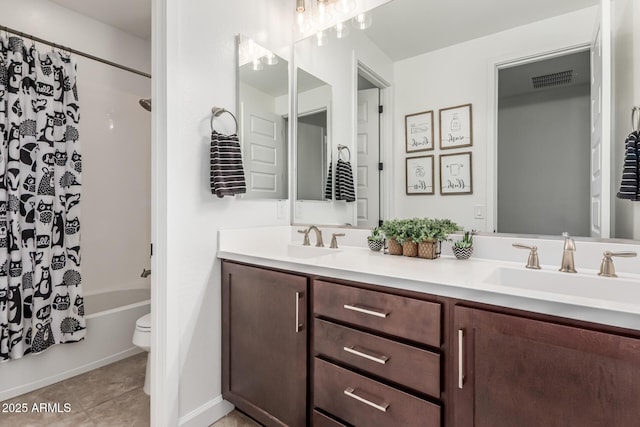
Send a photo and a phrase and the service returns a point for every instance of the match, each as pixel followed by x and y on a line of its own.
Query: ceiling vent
pixel 554 79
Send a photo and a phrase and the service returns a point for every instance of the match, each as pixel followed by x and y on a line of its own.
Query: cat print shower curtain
pixel 40 174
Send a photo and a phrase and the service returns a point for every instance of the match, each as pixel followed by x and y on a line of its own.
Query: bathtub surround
pixel 41 300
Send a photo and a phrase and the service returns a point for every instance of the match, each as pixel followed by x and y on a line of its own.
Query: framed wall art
pixel 418 130
pixel 456 174
pixel 456 127
pixel 419 173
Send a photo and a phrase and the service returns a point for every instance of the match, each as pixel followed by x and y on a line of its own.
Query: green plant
pixel 407 230
pixel 391 228
pixel 466 242
pixel 376 235
pixel 429 229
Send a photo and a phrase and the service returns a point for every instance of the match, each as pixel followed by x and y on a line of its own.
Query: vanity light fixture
pixel 362 21
pixel 321 38
pixel 270 59
pixel 342 30
pixel 257 64
pixel 314 16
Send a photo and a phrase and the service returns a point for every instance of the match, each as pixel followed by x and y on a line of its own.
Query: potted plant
pixel 409 233
pixel 463 249
pixel 432 233
pixel 376 239
pixel 391 229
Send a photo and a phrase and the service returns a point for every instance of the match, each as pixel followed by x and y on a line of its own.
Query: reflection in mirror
pixel 263 102
pixel 435 68
pixel 313 155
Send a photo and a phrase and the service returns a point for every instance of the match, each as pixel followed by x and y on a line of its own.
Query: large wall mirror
pixel 443 58
pixel 263 109
pixel 313 149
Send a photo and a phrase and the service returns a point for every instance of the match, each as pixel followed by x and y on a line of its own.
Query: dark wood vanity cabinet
pixel 515 371
pixel 373 356
pixel 265 343
pixel 377 358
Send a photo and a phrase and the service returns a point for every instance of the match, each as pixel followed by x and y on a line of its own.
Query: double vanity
pixel 346 336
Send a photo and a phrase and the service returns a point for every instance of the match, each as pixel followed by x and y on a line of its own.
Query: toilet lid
pixel 144 322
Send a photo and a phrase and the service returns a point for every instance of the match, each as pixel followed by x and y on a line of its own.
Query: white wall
pixel 458 75
pixel 195 71
pixel 625 35
pixel 115 135
pixel 545 130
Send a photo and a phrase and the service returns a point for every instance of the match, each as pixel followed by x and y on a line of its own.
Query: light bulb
pixel 362 21
pixel 257 64
pixel 324 13
pixel 270 59
pixel 301 21
pixel 345 6
pixel 321 38
pixel 342 30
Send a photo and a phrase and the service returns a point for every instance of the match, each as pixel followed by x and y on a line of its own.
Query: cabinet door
pixel 513 371
pixel 265 344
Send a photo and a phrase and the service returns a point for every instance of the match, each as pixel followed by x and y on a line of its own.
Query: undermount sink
pixel 303 252
pixel 605 289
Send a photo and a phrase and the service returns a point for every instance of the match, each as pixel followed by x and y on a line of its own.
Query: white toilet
pixel 142 339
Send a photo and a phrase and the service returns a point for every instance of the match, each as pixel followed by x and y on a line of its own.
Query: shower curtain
pixel 40 174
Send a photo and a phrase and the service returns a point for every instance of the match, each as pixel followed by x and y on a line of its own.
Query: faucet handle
pixel 334 241
pixel 569 244
pixel 606 268
pixel 532 262
pixel 305 241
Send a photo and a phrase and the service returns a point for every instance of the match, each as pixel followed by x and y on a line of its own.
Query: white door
pixel 368 192
pixel 601 124
pixel 264 153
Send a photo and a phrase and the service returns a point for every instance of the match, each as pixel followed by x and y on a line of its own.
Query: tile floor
pixel 235 419
pixel 110 396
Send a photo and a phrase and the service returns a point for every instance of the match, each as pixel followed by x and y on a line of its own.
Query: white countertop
pixel 617 304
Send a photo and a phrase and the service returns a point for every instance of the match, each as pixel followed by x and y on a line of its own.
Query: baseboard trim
pixel 206 414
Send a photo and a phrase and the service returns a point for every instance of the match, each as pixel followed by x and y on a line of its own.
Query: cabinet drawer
pixel 361 401
pixel 321 420
pixel 403 364
pixel 404 317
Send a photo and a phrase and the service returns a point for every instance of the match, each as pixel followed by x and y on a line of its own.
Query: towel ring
pixel 217 112
pixel 344 147
pixel 635 123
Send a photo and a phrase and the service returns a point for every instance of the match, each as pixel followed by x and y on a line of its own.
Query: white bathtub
pixel 111 318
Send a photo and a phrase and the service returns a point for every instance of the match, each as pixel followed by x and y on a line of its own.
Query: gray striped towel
pixel 344 182
pixel 630 184
pixel 227 174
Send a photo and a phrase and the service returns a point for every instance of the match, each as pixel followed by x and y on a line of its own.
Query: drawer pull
pixel 365 310
pixel 351 392
pixel 379 359
pixel 460 358
pixel 298 324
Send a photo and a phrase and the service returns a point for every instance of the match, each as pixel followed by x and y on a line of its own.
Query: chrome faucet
pixel 568 265
pixel 305 241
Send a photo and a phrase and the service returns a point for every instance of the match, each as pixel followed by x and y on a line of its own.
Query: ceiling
pixel 426 24
pixel 131 16
pixel 518 80
pixel 406 28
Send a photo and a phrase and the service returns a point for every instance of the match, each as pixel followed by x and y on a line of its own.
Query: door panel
pixel 368 191
pixel 601 124
pixel 264 154
pixel 528 373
